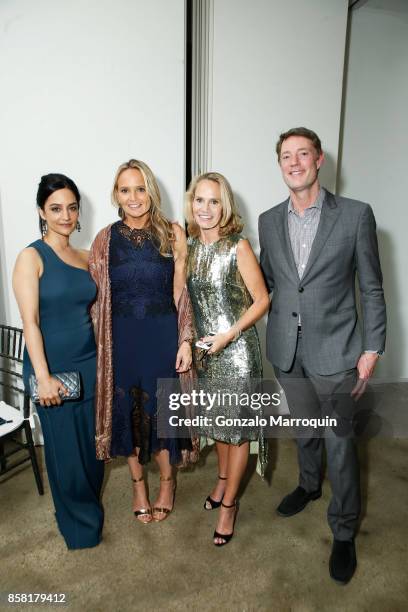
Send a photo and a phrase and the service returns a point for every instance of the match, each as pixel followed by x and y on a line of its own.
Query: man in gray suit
pixel 312 246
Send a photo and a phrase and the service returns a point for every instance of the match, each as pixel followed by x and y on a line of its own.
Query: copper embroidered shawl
pixel 101 313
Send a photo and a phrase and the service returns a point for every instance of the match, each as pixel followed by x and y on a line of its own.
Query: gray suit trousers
pixel 312 395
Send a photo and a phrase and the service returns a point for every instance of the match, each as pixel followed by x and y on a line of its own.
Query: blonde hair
pixel 230 222
pixel 160 226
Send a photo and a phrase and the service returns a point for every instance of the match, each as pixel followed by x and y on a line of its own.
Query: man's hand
pixel 365 369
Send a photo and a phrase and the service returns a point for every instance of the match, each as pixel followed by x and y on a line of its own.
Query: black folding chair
pixel 13 420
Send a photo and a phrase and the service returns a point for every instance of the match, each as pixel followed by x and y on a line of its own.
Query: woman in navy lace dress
pixel 145 269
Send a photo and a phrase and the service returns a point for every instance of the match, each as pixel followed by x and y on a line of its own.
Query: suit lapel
pixel 285 239
pixel 328 218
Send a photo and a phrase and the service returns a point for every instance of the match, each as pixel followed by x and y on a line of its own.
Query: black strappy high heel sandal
pixel 212 504
pixel 226 536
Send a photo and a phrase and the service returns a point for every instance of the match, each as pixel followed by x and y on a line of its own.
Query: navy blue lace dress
pixel 145 341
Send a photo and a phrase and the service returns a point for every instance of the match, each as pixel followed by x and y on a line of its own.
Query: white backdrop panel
pixel 374 155
pixel 86 86
pixel 276 65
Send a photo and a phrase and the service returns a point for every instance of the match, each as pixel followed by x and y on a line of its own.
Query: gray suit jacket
pixel 345 244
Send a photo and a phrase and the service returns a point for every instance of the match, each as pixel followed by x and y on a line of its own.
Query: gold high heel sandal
pixel 164 511
pixel 143 513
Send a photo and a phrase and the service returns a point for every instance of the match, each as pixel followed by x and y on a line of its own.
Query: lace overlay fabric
pixel 135 235
pixel 141 278
pixel 143 309
pixel 141 423
pixel 101 312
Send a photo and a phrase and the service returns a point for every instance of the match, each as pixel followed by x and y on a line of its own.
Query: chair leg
pixel 3 460
pixel 33 457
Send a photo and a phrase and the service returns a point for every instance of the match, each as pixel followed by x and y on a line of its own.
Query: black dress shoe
pixel 296 501
pixel 343 561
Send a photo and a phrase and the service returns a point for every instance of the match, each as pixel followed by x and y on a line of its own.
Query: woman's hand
pixel 50 391
pixel 219 341
pixel 184 358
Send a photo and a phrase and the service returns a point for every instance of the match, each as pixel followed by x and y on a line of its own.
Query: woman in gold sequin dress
pixel 229 296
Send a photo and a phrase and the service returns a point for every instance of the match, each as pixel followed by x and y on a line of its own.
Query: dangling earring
pixel 78 226
pixel 44 227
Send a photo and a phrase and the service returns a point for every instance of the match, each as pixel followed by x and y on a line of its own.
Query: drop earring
pixel 44 227
pixel 78 226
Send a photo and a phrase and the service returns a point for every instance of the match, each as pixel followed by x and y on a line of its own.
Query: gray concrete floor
pixel 271 564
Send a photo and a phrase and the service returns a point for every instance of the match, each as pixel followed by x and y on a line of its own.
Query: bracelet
pixel 237 335
pixel 188 339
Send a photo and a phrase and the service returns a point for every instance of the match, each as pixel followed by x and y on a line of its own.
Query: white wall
pixel 374 154
pixel 86 86
pixel 276 65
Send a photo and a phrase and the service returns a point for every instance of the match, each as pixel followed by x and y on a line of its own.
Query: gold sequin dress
pixel 219 298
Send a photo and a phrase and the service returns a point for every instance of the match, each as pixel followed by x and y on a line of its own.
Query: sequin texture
pixel 219 298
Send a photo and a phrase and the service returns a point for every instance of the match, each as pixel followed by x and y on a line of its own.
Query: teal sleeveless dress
pixel 74 473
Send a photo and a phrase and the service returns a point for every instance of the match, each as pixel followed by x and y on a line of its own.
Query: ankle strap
pixel 138 479
pixel 222 477
pixel 231 506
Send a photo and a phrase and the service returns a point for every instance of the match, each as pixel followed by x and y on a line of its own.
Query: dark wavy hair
pixel 53 182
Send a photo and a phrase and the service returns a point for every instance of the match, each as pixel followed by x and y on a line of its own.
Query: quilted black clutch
pixel 70 380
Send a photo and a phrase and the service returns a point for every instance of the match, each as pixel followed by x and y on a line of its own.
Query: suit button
pixel 301 290
pixel 294 314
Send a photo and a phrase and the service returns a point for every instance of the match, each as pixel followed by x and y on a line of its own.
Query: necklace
pixel 135 235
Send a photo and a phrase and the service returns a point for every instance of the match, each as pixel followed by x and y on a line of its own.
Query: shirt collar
pixel 318 203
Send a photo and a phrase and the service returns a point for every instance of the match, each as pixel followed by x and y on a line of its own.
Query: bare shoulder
pixel 244 247
pixel 246 258
pixel 29 257
pixel 28 264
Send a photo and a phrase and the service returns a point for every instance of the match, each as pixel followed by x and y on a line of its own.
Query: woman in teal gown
pixel 54 291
